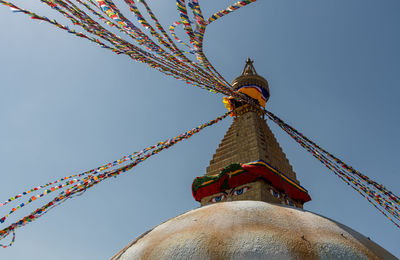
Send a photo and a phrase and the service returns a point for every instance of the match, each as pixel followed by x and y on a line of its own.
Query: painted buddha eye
pixel 290 203
pixel 218 198
pixel 274 193
pixel 240 191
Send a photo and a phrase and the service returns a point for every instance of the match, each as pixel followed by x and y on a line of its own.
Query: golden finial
pixel 249 68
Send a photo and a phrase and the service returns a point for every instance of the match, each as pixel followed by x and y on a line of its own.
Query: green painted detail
pixel 198 182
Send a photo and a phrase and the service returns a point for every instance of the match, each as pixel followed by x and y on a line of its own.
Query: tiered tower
pixel 249 139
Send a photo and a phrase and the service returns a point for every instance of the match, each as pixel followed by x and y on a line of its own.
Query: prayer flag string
pixel 378 195
pixel 157 49
pixel 77 184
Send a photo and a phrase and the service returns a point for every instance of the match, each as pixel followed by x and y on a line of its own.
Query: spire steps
pixel 247 140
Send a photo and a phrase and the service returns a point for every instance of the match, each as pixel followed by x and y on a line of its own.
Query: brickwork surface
pixel 249 139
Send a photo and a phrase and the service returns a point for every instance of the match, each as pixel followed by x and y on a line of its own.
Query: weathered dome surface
pixel 251 230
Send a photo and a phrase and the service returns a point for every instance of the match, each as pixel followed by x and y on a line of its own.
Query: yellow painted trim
pixel 280 174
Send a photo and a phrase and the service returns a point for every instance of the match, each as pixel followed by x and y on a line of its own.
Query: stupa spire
pixel 250 155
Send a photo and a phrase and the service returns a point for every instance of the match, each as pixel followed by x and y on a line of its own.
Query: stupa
pixel 252 202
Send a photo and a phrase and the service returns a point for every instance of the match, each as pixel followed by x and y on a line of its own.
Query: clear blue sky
pixel 67 105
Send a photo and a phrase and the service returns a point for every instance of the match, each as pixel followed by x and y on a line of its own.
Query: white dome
pixel 251 230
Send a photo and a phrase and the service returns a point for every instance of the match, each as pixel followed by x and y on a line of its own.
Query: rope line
pixel 156 49
pixel 378 195
pixel 83 181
